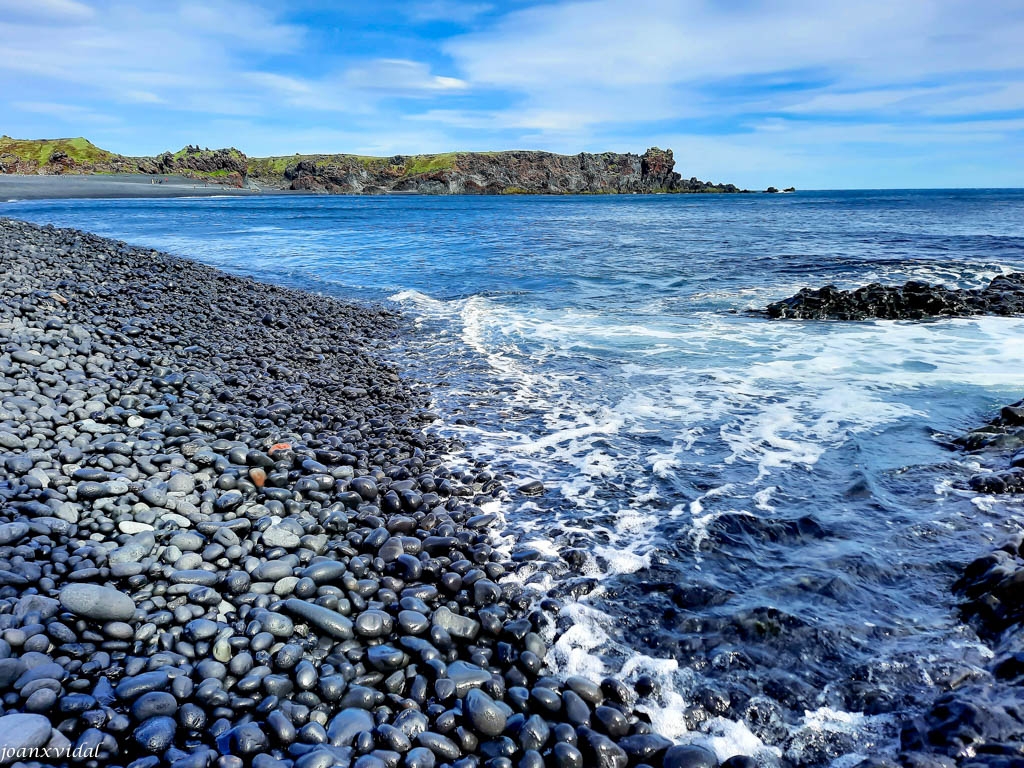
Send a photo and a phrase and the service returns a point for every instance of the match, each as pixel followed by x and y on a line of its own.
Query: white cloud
pixel 400 75
pixel 651 60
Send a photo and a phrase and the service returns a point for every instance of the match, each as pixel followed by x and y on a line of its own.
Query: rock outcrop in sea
pixel 491 173
pixel 441 174
pixel 225 540
pixel 914 300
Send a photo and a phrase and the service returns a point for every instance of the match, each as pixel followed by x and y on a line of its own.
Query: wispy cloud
pixel 401 76
pixel 831 92
pixel 446 10
pixel 51 11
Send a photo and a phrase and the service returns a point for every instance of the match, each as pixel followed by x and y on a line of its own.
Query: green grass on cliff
pixel 413 165
pixel 38 151
pixel 196 152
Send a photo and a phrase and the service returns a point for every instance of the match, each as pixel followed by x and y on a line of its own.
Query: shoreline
pixel 14 187
pixel 227 527
pixel 23 187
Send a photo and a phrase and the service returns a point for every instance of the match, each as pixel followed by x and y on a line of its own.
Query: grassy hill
pixel 39 151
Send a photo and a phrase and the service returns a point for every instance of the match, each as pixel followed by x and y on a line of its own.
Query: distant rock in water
pixel 460 173
pixel 912 301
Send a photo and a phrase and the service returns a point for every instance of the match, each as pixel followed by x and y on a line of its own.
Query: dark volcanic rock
pixel 486 173
pixel 913 301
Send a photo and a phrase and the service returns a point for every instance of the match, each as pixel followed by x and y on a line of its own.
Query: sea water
pixel 760 512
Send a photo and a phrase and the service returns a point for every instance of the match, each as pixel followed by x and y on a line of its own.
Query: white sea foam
pixel 748 402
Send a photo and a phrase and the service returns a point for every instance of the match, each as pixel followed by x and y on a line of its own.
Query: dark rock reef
pixel 1003 437
pixel 226 541
pixel 519 172
pixel 914 300
pixel 980 721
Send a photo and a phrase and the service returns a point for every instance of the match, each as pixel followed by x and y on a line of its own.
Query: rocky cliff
pixel 56 157
pixel 482 173
pixel 441 174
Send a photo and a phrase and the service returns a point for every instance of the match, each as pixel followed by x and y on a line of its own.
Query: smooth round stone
pixel 181 483
pixel 466 676
pixel 12 532
pixel 605 751
pixel 577 711
pixel 133 550
pixel 228 501
pixel 92 601
pixel 136 685
pixel 285 586
pixel 567 756
pixel 347 724
pixel 324 571
pixel 118 630
pixel 642 747
pixel 587 690
pixel 201 629
pixel 690 756
pixel 192 716
pixel 130 526
pixel 156 734
pixel 486 717
pixel 534 734
pixel 248 739
pixel 154 704
pixel 222 651
pixel 24 731
pixel 279 536
pixel 386 658
pixel 440 745
pixel 331 622
pixel 365 487
pixel 373 624
pixel 41 700
pixel 413 622
pixel 420 757
pixel 272 570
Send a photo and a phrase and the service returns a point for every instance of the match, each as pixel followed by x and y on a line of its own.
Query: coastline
pixel 15 187
pixel 226 526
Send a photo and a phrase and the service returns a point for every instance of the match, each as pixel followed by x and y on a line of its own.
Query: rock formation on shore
pixel 449 173
pixel 913 301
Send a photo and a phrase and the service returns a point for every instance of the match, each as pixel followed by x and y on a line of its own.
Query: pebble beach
pixel 226 540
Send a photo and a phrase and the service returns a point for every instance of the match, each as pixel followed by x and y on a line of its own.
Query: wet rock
pixel 331 622
pixel 156 734
pixel 689 756
pixel 915 300
pixel 347 724
pixel 484 715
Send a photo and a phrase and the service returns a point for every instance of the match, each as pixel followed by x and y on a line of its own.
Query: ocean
pixel 763 517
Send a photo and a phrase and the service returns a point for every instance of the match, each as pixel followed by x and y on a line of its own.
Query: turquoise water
pixel 765 508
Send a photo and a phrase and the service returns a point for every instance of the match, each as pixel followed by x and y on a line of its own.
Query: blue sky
pixel 826 94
